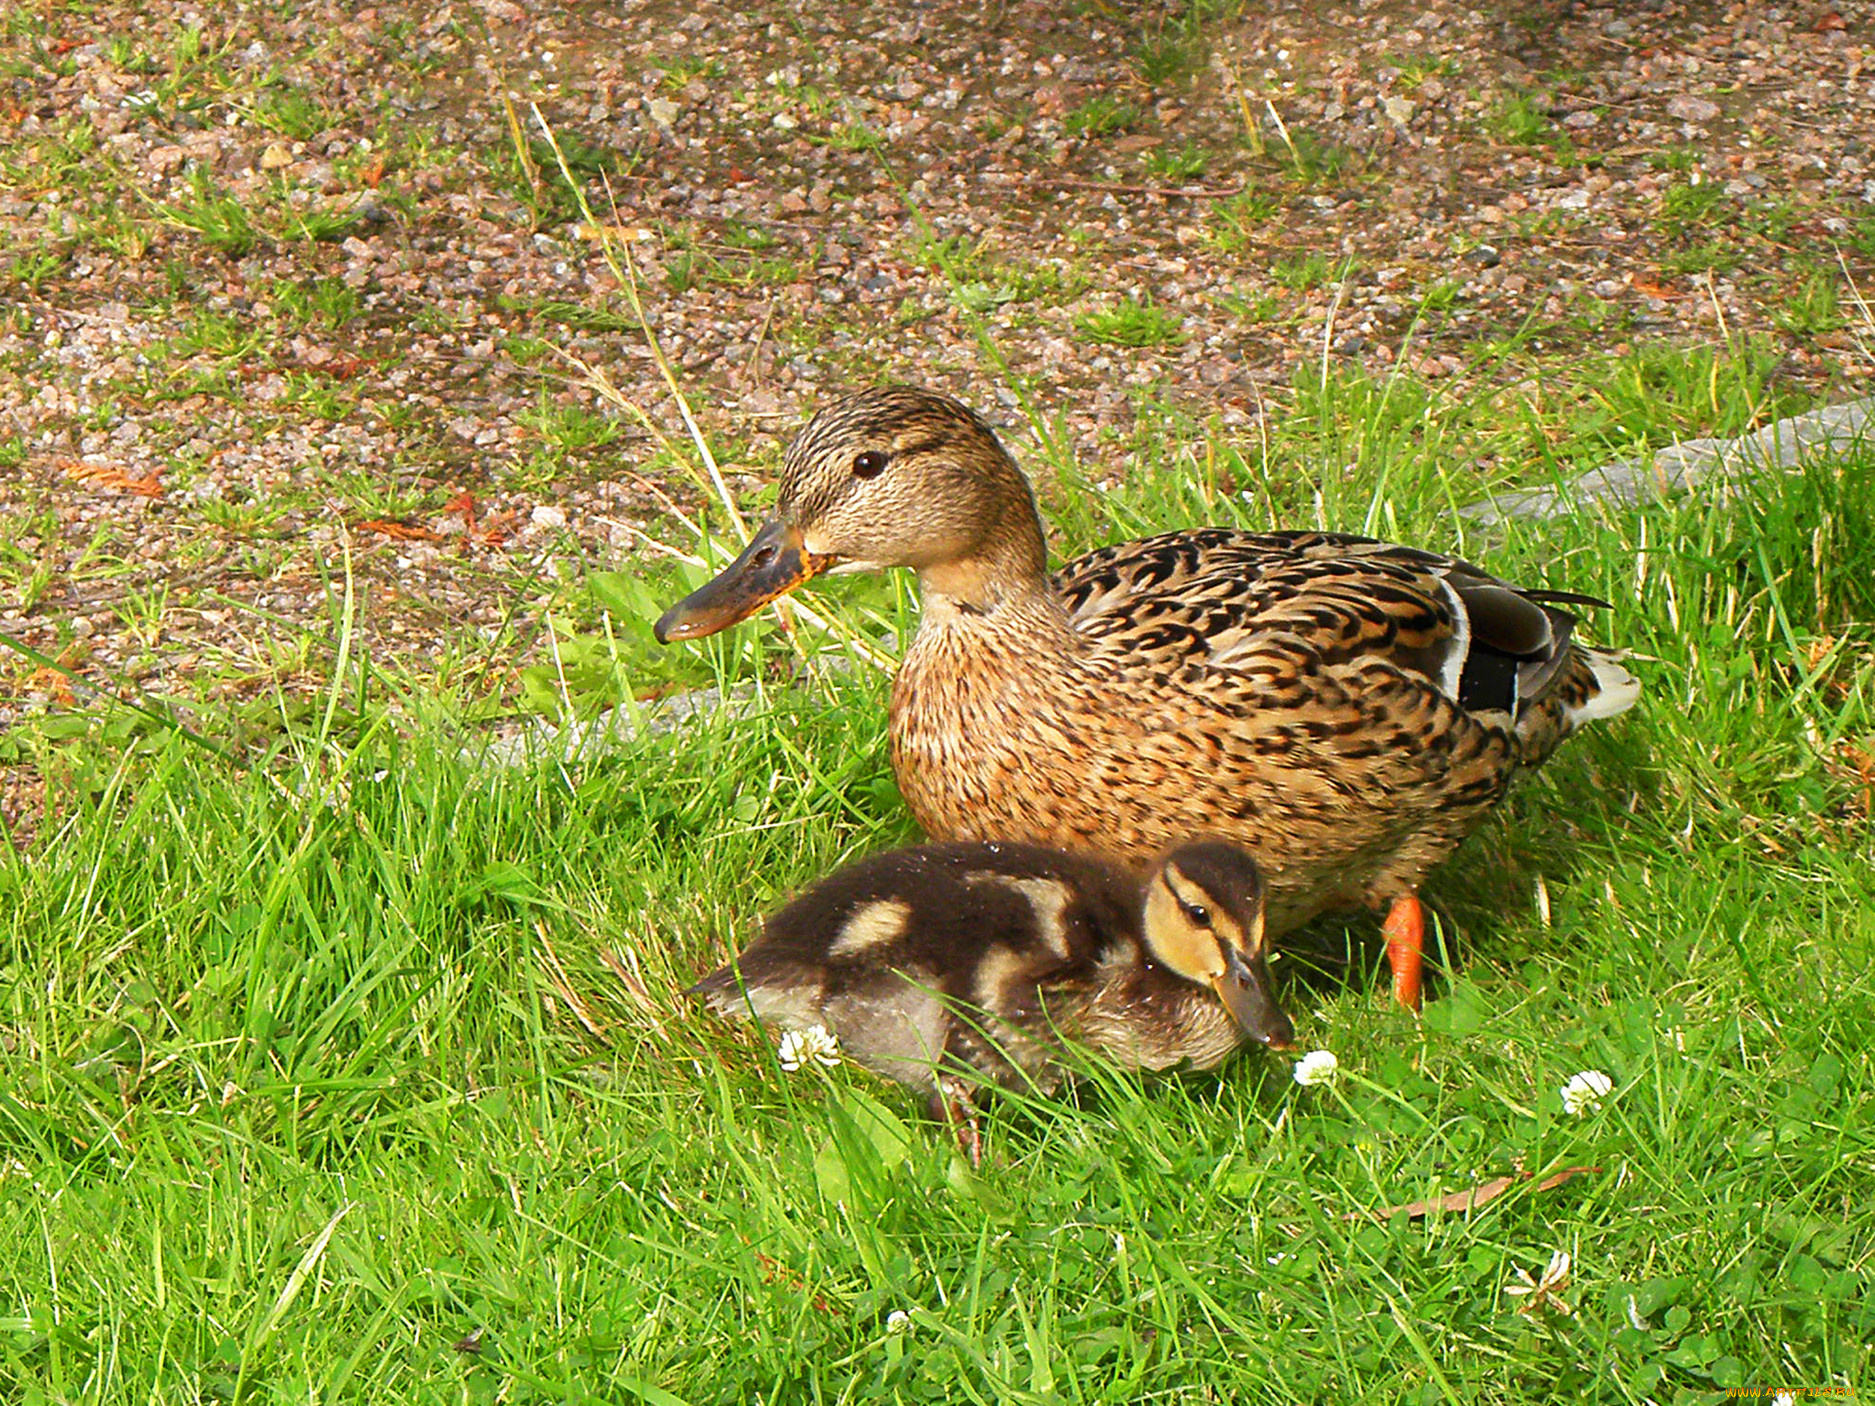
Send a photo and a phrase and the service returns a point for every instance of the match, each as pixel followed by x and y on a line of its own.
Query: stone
pixel 1687 108
pixel 1826 432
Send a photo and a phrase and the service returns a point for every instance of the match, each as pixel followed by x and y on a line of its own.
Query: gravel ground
pixel 276 284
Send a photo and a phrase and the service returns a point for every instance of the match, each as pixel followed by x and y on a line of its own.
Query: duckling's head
pixel 893 476
pixel 1204 921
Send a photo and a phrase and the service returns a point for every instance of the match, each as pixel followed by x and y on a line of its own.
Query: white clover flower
pixel 898 1321
pixel 814 1045
pixel 1783 1398
pixel 1317 1067
pixel 1585 1091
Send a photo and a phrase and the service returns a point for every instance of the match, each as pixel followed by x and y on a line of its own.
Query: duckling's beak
pixel 1244 988
pixel 774 563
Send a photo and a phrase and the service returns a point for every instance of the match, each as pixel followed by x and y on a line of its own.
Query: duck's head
pixel 893 476
pixel 1204 921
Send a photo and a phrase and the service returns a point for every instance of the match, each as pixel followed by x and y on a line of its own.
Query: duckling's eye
pixel 869 464
pixel 1196 916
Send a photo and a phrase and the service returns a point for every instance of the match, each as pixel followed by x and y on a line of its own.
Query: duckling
pixel 1348 710
pixel 936 962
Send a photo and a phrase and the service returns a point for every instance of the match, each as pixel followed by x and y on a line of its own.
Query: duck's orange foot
pixel 1405 931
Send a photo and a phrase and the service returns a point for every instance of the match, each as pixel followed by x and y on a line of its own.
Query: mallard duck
pixel 1346 709
pixel 940 961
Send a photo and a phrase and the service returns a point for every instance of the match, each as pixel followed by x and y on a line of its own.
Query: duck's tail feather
pixel 1615 691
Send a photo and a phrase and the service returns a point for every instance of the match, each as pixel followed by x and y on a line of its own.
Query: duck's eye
pixel 1198 917
pixel 869 464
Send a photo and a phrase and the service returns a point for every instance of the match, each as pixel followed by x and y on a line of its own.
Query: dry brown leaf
pixel 110 476
pixel 631 977
pixel 494 529
pixel 1480 1195
pixel 562 983
pixel 397 531
pixel 343 368
pixel 58 681
pixel 1650 288
pixel 775 1272
pixel 1856 765
pixel 54 683
pixel 631 234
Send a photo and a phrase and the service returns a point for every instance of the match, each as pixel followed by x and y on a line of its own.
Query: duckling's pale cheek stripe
pixel 871 925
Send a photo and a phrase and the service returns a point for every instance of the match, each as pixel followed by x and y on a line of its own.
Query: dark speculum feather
pixel 1517 645
pixel 1489 682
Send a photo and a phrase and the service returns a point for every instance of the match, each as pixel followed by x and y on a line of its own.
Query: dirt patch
pixel 278 289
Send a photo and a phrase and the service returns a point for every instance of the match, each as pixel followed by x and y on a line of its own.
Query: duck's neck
pixel 1008 569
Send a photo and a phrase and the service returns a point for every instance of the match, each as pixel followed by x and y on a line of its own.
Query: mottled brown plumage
pixel 981 959
pixel 1346 709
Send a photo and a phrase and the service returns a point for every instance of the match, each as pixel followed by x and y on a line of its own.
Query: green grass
pixel 1171 55
pixel 852 136
pixel 1310 158
pixel 1132 323
pixel 1415 69
pixel 221 221
pixel 1712 256
pixel 980 280
pixel 1185 163
pixel 1815 308
pixel 1239 220
pixel 1301 272
pixel 1100 116
pixel 1692 206
pixel 1519 121
pixel 356 1071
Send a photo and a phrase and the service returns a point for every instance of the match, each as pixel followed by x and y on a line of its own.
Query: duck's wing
pixel 1286 606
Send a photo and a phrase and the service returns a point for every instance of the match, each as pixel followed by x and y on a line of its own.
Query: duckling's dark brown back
pixel 943 910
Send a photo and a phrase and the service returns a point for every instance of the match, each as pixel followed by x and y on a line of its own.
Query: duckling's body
pixel 986 957
pixel 1346 709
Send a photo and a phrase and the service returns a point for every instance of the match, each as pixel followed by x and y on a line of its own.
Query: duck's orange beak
pixel 774 563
